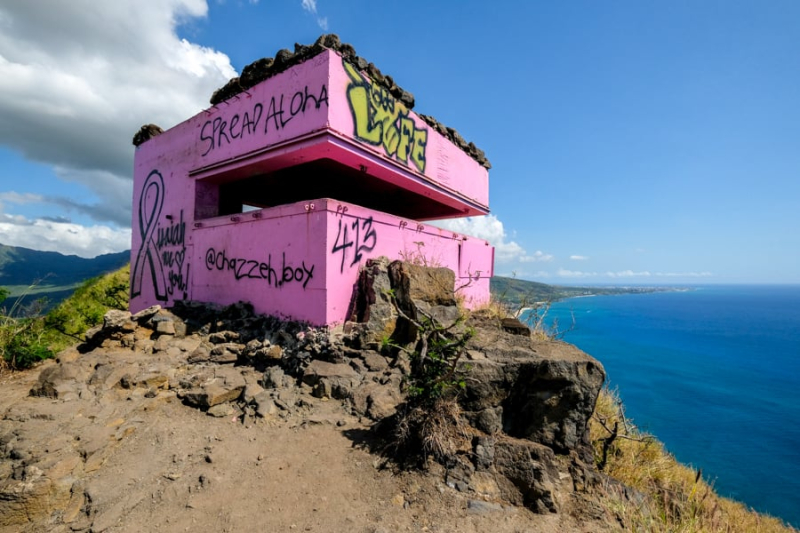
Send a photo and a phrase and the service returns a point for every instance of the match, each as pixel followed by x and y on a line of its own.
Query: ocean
pixel 714 373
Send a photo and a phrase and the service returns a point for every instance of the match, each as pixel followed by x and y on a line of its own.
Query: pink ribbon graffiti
pixel 148 253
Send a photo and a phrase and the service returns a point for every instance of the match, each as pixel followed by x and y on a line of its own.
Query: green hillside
pixel 519 291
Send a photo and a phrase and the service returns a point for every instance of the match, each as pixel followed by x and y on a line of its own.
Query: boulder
pixel 335 380
pixel 373 305
pixel 116 320
pixel 414 288
pixel 226 353
pixel 542 391
pixel 530 475
pixel 33 497
pixel 227 386
pixel 376 401
pixel 60 381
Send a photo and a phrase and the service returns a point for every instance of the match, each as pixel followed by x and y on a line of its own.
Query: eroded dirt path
pixel 128 460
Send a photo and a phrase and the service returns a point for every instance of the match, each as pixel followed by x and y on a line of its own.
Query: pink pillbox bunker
pixel 277 196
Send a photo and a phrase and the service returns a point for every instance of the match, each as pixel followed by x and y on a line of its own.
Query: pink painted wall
pixel 302 262
pixel 365 112
pixel 313 110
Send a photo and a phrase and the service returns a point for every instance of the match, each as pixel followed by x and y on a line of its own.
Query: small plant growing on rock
pixel 430 423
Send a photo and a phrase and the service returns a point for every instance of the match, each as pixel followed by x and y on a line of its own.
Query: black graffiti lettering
pixel 223 131
pixel 168 259
pixel 272 113
pixel 253 265
pixel 251 125
pixel 162 248
pixel 211 259
pixel 177 281
pixel 300 103
pixel 323 97
pixel 172 235
pixel 222 134
pixel 205 137
pixel 267 272
pixel 243 268
pixel 232 129
pixel 309 273
pixel 345 244
pixel 318 101
pixel 289 277
pixel 215 130
pixel 370 239
pixel 366 238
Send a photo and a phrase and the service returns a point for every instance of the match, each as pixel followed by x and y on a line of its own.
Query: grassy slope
pixel 680 499
pixel 29 336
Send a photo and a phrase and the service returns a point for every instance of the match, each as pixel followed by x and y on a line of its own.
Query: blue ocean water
pixel 714 373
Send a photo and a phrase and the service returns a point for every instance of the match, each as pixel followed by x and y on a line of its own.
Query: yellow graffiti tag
pixel 381 120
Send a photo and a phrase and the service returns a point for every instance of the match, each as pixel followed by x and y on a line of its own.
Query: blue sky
pixel 632 142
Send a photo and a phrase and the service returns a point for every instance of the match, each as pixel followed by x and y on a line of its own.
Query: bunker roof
pixel 266 67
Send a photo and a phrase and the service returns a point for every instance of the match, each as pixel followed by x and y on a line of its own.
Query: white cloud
pixel 538 255
pixel 79 78
pixel 628 274
pixel 684 274
pixel 564 273
pixel 63 237
pixel 17 198
pixel 310 6
pixel 578 258
pixel 490 228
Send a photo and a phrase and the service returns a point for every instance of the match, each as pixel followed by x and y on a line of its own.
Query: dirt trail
pixel 126 462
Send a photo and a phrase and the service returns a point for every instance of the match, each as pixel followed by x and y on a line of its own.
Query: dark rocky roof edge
pixel 267 67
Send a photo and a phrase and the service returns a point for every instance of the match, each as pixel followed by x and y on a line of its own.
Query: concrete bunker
pixel 279 192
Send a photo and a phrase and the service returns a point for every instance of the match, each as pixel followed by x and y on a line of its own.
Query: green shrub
pixel 27 337
pixel 86 307
pixel 429 423
pixel 22 335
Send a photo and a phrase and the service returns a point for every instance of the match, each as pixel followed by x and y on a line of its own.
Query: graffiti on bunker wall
pixel 244 268
pixel 162 251
pixel 171 245
pixel 381 120
pixel 280 111
pixel 363 235
pixel 151 201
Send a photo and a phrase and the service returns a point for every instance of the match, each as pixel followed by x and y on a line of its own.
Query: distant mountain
pixel 22 266
pixel 520 291
pixel 55 275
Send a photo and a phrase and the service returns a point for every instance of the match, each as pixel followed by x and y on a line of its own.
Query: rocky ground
pixel 207 419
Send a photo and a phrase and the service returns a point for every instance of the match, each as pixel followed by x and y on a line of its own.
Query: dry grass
pixel 495 308
pixel 680 500
pixel 438 431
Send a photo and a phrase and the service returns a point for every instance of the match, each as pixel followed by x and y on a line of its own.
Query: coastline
pixel 696 372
